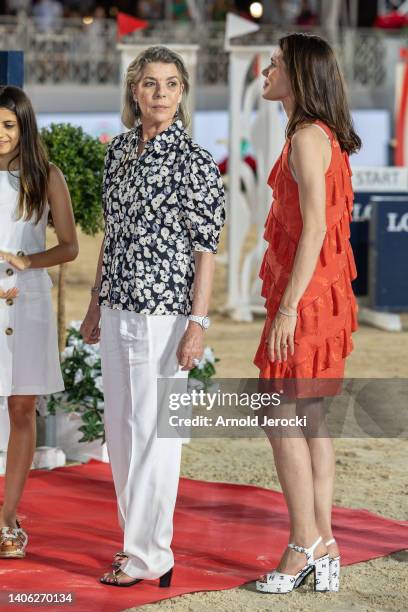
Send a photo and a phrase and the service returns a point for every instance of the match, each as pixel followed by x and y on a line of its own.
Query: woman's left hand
pixel 20 262
pixel 281 337
pixel 190 347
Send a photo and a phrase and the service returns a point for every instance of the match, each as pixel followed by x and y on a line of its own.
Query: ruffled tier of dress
pixel 327 312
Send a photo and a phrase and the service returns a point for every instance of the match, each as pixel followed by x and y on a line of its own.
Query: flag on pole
pixel 401 128
pixel 128 24
pixel 238 26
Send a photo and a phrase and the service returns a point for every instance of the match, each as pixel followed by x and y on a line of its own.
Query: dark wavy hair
pixel 32 155
pixel 318 88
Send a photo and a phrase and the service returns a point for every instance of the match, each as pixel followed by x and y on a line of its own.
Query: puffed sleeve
pixel 204 207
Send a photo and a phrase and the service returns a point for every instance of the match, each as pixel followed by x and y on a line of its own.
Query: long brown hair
pixel 318 88
pixel 32 155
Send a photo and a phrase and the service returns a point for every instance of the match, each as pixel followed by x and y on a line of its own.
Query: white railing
pixel 70 51
pixel 74 50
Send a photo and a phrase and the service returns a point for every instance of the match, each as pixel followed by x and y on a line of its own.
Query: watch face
pixel 206 323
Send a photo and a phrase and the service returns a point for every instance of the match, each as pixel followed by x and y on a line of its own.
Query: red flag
pixel 401 131
pixel 128 24
pixel 391 21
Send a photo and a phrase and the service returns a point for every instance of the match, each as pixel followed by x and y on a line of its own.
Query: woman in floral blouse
pixel 163 203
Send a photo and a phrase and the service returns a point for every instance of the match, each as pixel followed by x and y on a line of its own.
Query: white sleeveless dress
pixel 29 358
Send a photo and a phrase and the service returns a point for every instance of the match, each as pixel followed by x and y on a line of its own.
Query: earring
pixel 136 107
pixel 176 116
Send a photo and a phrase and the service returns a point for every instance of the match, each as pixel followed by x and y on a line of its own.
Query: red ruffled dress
pixel 327 312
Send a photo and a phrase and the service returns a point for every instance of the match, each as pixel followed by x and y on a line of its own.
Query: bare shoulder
pixel 311 149
pixel 56 177
pixel 57 191
pixel 309 135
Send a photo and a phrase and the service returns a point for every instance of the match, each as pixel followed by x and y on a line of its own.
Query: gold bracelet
pixel 95 289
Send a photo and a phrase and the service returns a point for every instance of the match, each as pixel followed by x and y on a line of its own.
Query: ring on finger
pixel 196 361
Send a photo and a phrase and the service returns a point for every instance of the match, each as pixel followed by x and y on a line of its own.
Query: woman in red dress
pixel 311 310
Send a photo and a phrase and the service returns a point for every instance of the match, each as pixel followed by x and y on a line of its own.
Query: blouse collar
pixel 163 140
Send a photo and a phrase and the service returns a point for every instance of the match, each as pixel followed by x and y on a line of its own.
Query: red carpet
pixel 71 520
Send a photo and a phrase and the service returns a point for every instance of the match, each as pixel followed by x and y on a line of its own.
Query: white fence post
pixel 260 123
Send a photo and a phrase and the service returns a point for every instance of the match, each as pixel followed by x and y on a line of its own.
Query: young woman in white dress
pixel 30 188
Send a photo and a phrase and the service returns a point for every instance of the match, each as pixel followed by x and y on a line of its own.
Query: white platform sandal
pixel 334 569
pixel 276 582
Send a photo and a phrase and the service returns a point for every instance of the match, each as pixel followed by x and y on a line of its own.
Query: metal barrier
pixel 72 51
pixel 84 50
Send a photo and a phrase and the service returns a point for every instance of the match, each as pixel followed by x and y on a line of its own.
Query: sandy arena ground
pixel 371 473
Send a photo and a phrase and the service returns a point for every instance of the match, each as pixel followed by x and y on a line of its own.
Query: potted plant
pixel 201 375
pixel 81 158
pixel 79 409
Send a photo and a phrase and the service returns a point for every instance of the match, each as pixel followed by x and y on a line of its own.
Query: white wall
pixel 211 131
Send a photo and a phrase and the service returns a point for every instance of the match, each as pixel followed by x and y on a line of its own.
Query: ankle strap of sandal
pixel 332 541
pixel 309 552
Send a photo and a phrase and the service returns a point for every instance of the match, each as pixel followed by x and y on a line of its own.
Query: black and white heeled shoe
pixel 113 579
pixel 334 569
pixel 277 582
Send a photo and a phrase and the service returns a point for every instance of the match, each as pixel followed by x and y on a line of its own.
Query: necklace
pixel 141 139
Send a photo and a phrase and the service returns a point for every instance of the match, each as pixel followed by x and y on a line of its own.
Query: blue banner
pixel 12 68
pixel 388 253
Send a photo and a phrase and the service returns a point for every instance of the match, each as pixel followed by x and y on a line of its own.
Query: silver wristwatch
pixel 203 321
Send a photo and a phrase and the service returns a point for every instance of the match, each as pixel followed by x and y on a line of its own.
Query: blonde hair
pixel 131 112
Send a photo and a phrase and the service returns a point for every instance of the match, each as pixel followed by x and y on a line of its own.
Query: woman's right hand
pixel 90 330
pixel 9 294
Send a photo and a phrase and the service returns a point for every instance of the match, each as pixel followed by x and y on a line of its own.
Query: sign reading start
pixel 377 179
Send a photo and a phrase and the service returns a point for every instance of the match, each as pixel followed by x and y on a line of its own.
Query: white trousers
pixel 136 350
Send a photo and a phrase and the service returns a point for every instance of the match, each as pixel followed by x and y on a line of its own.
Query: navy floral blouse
pixel 159 209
